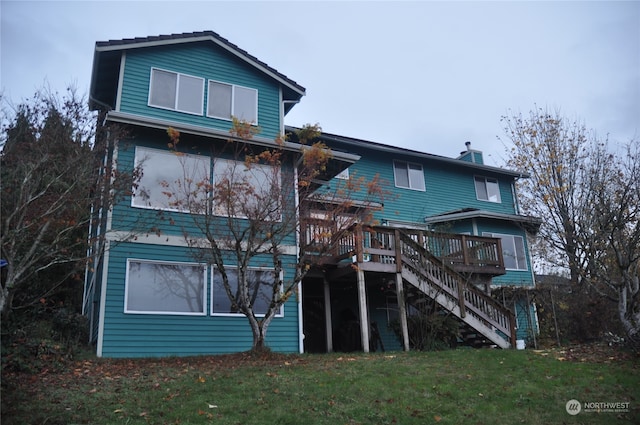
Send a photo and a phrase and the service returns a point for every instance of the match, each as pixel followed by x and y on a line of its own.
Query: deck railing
pixel 436 258
pixel 465 250
pixel 453 286
pixel 465 253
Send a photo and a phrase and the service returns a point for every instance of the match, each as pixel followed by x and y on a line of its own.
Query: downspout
pixel 514 194
pixel 105 261
pixel 298 228
pixel 93 247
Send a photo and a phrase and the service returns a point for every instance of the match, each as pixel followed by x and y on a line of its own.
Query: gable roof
pixel 106 63
pixel 359 143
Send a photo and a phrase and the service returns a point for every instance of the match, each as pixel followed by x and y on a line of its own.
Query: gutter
pixel 533 222
pixel 125 118
pixel 380 147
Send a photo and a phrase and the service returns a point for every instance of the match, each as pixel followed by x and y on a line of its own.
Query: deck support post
pixel 402 306
pixel 364 316
pixel 461 289
pixel 327 316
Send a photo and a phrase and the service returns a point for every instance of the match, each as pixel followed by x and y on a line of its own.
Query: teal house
pixel 474 260
pixel 450 232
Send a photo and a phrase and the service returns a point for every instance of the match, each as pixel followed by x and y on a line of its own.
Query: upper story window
pixel 408 175
pixel 512 250
pixel 175 91
pixel 487 189
pixel 169 181
pixel 227 100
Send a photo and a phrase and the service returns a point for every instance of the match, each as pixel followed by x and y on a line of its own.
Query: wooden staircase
pixel 433 277
pixel 442 277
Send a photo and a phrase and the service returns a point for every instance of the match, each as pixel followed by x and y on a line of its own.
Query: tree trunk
pixel 629 313
pixel 6 300
pixel 259 332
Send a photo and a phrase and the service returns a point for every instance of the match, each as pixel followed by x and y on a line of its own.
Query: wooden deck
pixel 376 245
pixel 437 264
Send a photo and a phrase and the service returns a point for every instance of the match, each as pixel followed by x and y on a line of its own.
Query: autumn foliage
pixel 268 206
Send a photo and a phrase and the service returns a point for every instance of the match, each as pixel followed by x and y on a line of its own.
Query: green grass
pixel 449 387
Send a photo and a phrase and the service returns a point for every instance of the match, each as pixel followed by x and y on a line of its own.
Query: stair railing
pixel 471 300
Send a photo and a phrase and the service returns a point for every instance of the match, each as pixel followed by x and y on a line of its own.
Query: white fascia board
pixel 123 59
pixel 167 42
pixel 103 301
pixel 416 155
pixel 482 214
pixel 125 118
pixel 175 240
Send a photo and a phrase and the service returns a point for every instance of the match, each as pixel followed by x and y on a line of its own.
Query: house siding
pixel 379 313
pixel 160 234
pixel 203 60
pixel 526 321
pixel 151 335
pixel 448 188
pixel 126 217
pixel 145 335
pixel 512 277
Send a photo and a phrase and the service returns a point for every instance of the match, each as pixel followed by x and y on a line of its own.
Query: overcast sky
pixel 421 75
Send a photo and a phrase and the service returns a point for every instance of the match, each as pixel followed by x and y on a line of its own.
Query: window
pixel 170 181
pixel 227 100
pixel 487 189
pixel 246 192
pixel 178 92
pixel 261 283
pixel 408 175
pixel 165 288
pixel 512 250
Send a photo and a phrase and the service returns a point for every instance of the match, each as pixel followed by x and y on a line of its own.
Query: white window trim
pixel 167 313
pixel 214 314
pixel 513 237
pixel 136 162
pixel 175 108
pixel 424 183
pixel 486 179
pixel 233 100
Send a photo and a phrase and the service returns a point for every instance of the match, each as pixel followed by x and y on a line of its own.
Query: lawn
pixel 461 386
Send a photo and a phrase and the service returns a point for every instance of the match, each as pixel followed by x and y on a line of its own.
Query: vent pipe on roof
pixel 468 145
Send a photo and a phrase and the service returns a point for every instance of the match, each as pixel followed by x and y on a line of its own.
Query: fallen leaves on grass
pixel 591 353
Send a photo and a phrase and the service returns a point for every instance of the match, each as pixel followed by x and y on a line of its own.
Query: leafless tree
pixel 588 197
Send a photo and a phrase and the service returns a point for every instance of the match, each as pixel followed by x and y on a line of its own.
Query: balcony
pixel 376 246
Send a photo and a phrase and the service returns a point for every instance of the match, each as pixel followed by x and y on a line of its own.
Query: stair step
pixel 423 283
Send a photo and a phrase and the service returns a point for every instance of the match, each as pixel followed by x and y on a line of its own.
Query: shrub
pixel 429 331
